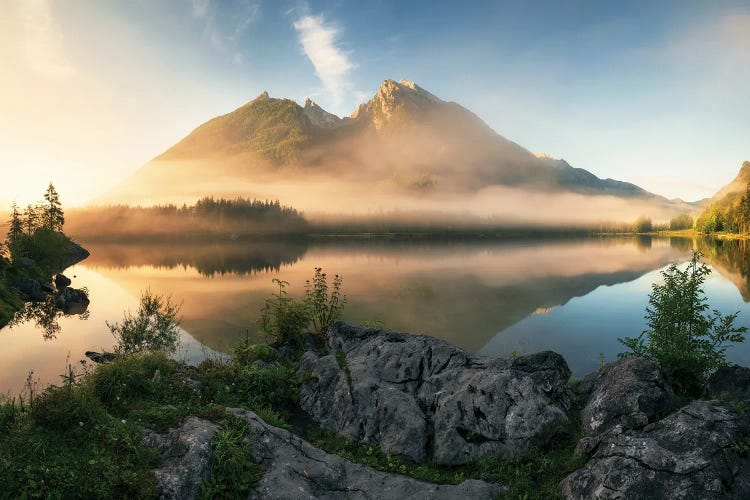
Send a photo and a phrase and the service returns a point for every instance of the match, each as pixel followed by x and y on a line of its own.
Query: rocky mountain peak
pixel 395 99
pixel 320 117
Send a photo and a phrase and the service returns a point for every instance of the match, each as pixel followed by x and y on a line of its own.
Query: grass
pixel 535 474
pixel 82 438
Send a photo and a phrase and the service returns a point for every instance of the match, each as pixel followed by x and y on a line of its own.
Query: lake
pixel 573 296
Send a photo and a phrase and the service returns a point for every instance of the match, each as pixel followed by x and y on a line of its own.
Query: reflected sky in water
pixel 572 296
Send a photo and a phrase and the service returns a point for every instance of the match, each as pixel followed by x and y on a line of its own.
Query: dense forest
pixel 207 218
pixel 730 214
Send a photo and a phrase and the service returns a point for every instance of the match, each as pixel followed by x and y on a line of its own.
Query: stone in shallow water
pixel 419 397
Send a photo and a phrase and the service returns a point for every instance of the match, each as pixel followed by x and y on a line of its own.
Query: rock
pixel 32 289
pixel 71 301
pixel 62 281
pixel 692 453
pixel 297 470
pixel 730 382
pixel 421 398
pixel 100 357
pixel 630 393
pixel 186 457
pixel 76 253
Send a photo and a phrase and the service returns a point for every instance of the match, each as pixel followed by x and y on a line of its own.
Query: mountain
pixel 723 211
pixel 738 184
pixel 405 141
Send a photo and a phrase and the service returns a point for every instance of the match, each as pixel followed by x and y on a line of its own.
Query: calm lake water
pixel 495 298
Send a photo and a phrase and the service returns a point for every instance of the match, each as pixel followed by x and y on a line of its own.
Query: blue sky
pixel 654 93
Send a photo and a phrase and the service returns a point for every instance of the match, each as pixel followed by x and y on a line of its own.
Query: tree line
pixel 732 214
pixel 35 223
pixel 208 217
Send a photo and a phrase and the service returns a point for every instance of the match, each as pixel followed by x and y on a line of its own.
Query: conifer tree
pixel 15 225
pixel 53 217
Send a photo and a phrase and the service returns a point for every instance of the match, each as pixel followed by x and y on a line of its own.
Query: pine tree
pixel 53 217
pixel 15 225
pixel 31 218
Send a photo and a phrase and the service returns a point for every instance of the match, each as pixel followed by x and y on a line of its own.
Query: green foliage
pixel 65 407
pixel 52 215
pixel 323 307
pixel 683 338
pixel 731 213
pixel 234 473
pixel 680 222
pixel 43 246
pixel 129 377
pixel 154 327
pixel 273 386
pixel 535 474
pixel 245 353
pixel 283 319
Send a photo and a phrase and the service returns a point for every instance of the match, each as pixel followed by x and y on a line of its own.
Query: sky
pixel 651 92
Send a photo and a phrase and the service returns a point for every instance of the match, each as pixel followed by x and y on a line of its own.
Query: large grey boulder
pixel 186 457
pixel 419 397
pixel 75 254
pixel 730 382
pixel 693 453
pixel 629 393
pixel 297 470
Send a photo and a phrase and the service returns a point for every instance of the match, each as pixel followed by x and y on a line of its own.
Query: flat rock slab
pixel 186 457
pixel 421 398
pixel 696 452
pixel 295 469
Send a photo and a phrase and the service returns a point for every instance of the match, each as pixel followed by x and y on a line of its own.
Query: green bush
pixel 683 338
pixel 140 375
pixel 324 308
pixel 282 319
pixel 154 327
pixel 234 473
pixel 66 407
pixel 245 353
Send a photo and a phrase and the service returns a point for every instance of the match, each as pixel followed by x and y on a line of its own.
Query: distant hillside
pixel 723 210
pixel 404 142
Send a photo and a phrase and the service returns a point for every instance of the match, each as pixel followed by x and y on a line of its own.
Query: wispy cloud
pixel 319 41
pixel 224 23
pixel 43 43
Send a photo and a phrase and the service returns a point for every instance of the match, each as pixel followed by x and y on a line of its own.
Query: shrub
pixel 155 326
pixel 283 319
pixel 129 377
pixel 683 338
pixel 246 353
pixel 65 407
pixel 324 308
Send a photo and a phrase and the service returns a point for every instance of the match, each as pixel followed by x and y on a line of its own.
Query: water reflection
pixel 462 292
pixel 574 296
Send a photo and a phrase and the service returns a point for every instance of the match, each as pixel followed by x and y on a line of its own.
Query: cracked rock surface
pixel 628 393
pixel 696 452
pixel 186 457
pixel 421 398
pixel 297 470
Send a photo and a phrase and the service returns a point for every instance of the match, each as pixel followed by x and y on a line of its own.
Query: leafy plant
pixel 683 338
pixel 154 327
pixel 324 308
pixel 283 319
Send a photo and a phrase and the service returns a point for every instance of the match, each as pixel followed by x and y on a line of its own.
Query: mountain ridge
pixel 404 139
